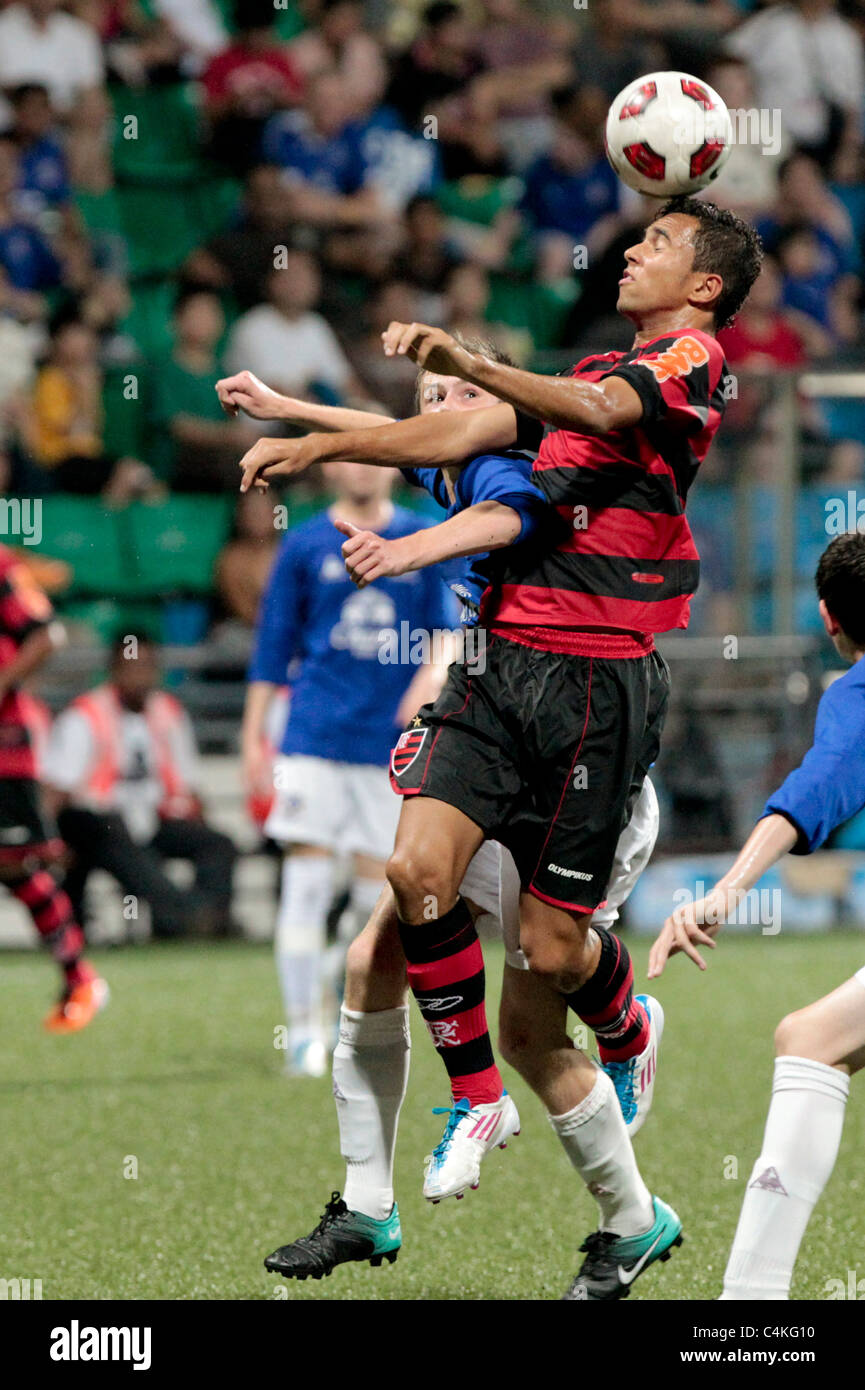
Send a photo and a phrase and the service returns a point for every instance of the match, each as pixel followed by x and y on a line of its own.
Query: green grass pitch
pixel 181 1075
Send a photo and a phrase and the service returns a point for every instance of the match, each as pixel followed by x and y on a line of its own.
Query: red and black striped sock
pixel 607 1005
pixel 446 974
pixel 54 919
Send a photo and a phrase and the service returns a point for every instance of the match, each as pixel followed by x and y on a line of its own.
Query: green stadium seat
pixel 107 618
pixel 159 226
pixel 149 321
pixel 287 17
pixel 289 20
pixel 164 144
pixel 100 213
pixel 125 414
pixel 175 543
pixel 84 533
pixel 213 204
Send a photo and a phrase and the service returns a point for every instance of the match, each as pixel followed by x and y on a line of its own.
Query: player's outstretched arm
pixel 424 441
pixel 566 402
pixel 697 923
pixel 244 391
pixel 485 526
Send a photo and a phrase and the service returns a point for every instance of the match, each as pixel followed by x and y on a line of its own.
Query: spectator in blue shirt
pixel 28 266
pixel 43 181
pixel 315 144
pixel 322 157
pixel 571 189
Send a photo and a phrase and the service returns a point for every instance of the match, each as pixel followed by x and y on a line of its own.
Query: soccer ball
pixel 668 133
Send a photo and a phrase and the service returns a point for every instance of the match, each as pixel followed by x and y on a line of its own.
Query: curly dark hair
pixel 840 581
pixel 728 246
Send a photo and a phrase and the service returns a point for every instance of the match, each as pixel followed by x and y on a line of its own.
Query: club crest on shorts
pixel 408 745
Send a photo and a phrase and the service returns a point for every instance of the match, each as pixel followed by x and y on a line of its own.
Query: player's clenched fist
pixel 691 923
pixel 369 556
pixel 244 391
pixel 276 458
pixel 431 348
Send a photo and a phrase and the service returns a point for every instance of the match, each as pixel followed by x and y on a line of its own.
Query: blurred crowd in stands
pixel 191 187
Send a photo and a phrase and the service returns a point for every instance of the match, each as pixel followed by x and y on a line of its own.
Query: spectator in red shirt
pixel 762 339
pixel 245 84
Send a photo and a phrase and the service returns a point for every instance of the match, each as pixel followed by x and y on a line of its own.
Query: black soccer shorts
pixel 26 832
pixel 545 752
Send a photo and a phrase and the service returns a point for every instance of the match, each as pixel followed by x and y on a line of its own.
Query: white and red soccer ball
pixel 668 133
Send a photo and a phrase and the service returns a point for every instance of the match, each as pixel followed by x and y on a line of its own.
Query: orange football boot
pixel 78 1006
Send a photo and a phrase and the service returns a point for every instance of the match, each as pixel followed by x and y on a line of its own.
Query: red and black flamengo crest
pixel 407 748
pixel 697 92
pixel 639 100
pixel 645 160
pixel 702 159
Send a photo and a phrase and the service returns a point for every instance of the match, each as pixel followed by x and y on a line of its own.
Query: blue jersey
pixel 26 258
pixel 344 699
pixel 330 162
pixel 505 478
pixel 828 787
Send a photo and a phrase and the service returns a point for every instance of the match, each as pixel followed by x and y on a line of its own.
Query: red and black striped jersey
pixel 23 609
pixel 623 557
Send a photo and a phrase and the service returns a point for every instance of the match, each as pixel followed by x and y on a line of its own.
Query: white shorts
pixel 493 884
pixel 349 808
pixel 860 976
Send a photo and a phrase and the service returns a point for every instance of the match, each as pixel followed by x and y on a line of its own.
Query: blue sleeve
pixel 491 478
pixel 828 787
pixel 441 607
pixel 279 619
pixel 430 479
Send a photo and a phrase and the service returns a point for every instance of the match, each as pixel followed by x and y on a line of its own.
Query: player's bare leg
pixel 635 1228
pixel 592 969
pixel 370 1075
pixel 817 1050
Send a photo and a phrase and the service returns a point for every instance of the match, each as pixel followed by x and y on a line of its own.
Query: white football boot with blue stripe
pixel 634 1080
pixel 470 1133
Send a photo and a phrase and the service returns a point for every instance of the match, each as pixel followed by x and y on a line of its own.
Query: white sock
pixel 370 1076
pixel 596 1140
pixel 800 1145
pixel 308 882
